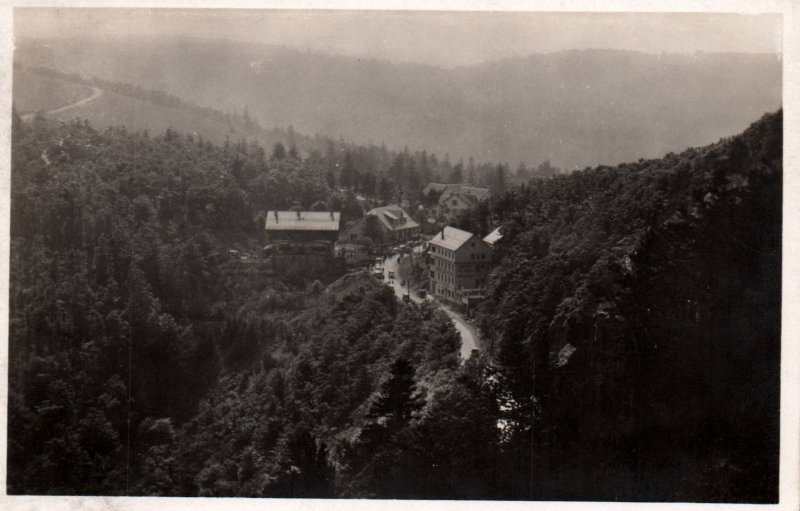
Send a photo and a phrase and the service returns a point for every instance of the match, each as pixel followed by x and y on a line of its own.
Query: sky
pixel 446 39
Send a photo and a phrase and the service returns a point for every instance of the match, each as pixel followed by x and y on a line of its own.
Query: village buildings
pixel 460 265
pixel 384 225
pixel 452 199
pixel 301 236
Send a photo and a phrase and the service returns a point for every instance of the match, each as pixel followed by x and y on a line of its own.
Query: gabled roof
pixel 460 190
pixel 438 187
pixel 450 238
pixel 302 221
pixel 478 193
pixel 394 218
pixel 471 200
pixel 446 197
pixel 493 236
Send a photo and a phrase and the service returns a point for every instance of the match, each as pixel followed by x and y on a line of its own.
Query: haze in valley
pixel 578 89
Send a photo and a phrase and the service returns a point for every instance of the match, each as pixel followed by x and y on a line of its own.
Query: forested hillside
pixel 631 352
pixel 640 306
pixel 359 167
pixel 119 260
pixel 144 360
pixel 575 108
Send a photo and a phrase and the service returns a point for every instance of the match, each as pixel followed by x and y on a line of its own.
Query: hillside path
pixel 96 93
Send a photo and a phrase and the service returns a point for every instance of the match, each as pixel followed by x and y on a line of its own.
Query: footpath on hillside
pixel 96 93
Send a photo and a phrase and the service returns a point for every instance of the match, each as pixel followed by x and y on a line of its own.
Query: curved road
pixel 96 93
pixel 469 336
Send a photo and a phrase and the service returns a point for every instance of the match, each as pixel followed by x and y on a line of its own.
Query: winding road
pixel 96 93
pixel 469 335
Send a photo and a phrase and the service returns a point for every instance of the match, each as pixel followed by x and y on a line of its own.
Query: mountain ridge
pixel 577 108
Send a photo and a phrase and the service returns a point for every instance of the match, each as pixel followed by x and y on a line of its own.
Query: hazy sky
pixel 440 38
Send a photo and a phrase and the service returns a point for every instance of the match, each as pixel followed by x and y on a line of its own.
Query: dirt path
pixel 96 93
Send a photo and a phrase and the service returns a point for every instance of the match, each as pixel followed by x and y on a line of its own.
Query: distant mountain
pixel 576 108
pixel 42 89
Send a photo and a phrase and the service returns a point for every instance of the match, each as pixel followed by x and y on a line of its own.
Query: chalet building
pixel 460 265
pixel 454 198
pixel 384 225
pixel 301 235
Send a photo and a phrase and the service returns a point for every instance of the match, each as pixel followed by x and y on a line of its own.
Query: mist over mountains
pixel 576 108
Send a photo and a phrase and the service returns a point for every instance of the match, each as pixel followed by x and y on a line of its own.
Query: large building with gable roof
pixel 301 235
pixel 460 265
pixel 384 225
pixel 454 198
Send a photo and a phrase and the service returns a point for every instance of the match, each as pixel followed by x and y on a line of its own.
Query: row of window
pixel 443 291
pixel 447 265
pixel 455 295
pixel 446 278
pixel 451 267
pixel 442 251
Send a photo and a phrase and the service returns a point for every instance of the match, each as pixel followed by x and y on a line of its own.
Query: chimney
pixel 276 216
pixel 298 215
pixel 331 214
pixel 442 233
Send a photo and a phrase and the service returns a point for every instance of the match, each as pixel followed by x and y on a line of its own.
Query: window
pixel 455 202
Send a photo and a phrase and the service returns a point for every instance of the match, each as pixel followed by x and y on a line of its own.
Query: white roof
pixel 303 221
pixel 493 236
pixel 451 238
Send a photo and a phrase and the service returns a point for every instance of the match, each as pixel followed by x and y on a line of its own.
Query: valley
pixel 242 269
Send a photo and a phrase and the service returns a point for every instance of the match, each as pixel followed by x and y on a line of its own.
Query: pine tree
pixel 398 400
pixel 348 173
pixel 278 152
pixel 499 179
pixel 457 175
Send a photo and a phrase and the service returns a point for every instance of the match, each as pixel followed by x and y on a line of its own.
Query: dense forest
pixel 631 336
pixel 132 330
pixel 640 306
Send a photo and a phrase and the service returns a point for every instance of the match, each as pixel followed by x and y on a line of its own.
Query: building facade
pixel 453 198
pixel 384 225
pixel 298 236
pixel 460 265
